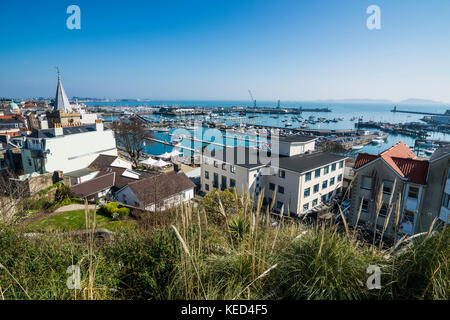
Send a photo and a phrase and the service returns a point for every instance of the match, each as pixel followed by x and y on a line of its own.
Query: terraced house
pixel 397 182
pixel 298 181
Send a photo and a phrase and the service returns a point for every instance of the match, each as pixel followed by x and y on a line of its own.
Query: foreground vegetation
pixel 221 249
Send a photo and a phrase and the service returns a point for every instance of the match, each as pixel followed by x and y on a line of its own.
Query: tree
pixel 131 134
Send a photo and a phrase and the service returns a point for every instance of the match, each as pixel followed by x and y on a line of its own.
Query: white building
pixel 159 192
pixel 300 179
pixel 66 149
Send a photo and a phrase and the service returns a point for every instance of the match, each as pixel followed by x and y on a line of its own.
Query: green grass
pixel 67 221
pixel 229 253
pixel 123 225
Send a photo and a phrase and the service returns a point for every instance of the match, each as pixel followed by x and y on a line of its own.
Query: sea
pixel 367 110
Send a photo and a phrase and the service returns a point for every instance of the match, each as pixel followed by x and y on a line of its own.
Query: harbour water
pixel 346 111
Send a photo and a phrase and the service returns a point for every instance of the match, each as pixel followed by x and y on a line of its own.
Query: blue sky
pixel 218 49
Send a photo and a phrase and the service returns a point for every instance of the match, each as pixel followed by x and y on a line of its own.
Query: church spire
pixel 61 100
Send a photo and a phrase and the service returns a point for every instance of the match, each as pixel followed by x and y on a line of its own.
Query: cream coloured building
pixel 299 178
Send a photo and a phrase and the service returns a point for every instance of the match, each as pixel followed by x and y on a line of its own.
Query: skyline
pixel 203 50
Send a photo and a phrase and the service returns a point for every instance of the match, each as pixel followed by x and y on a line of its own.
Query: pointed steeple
pixel 61 100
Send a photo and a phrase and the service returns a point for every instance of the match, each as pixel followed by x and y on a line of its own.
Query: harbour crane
pixel 251 97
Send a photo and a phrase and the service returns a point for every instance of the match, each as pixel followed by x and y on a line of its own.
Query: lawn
pixel 75 220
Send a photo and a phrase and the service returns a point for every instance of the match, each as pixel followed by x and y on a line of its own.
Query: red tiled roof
pixel 400 158
pixel 364 158
pixel 415 170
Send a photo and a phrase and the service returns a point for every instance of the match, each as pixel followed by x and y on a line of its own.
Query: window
pixel 224 166
pixel 206 160
pixel 387 187
pixel 340 178
pixel 366 183
pixel 307 192
pixel 124 198
pixel 446 202
pixel 408 216
pixel 365 205
pixel 316 188
pixel 324 184
pixel 324 198
pixel 281 189
pixel 207 187
pixel 207 175
pixel 281 174
pixel 224 183
pixel 317 173
pixel 305 206
pixel 341 164
pixel 383 210
pixel 333 167
pixel 271 186
pixel 216 165
pixel 308 176
pixel 326 170
pixel 332 181
pixel 216 181
pixel 232 183
pixel 232 169
pixel 413 192
pixel 314 203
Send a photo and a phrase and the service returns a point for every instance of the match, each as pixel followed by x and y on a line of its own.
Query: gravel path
pixel 72 207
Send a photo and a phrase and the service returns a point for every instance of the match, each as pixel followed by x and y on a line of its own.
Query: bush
pixel 113 210
pixel 63 194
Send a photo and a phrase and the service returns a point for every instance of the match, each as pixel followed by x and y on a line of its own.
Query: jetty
pixel 447 114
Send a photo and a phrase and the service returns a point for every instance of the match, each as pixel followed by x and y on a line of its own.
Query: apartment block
pixel 299 180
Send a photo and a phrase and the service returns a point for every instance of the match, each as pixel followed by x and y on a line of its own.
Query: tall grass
pixel 238 254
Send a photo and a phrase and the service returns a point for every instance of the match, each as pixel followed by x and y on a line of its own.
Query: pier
pixel 420 112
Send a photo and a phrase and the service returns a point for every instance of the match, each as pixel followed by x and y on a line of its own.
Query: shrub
pixel 63 194
pixel 113 210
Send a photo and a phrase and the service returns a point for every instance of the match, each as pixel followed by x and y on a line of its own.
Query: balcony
pixel 444 214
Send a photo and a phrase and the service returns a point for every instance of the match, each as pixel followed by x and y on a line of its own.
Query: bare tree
pixel 131 135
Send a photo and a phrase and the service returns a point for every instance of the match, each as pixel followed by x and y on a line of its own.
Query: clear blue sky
pixel 218 49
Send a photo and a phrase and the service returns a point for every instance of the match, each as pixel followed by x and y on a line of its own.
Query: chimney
pixel 58 130
pixel 99 125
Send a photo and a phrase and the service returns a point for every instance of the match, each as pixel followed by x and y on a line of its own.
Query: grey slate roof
pixel 307 162
pixel 61 101
pixel 296 138
pixel 299 163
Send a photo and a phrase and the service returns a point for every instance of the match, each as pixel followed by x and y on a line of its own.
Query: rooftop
pixel 93 186
pixel 252 158
pixel 159 187
pixel 50 133
pixel 402 160
pixel 296 139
